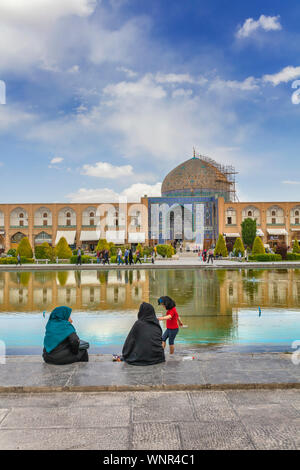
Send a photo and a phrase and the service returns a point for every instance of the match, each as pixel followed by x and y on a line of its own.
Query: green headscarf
pixel 58 328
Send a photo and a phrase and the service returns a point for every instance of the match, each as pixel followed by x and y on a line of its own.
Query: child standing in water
pixel 173 320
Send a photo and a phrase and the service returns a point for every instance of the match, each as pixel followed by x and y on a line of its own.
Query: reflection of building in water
pixel 264 288
pixel 89 290
pixel 198 293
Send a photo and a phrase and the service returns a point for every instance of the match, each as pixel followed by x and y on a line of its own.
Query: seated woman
pixel 61 343
pixel 143 346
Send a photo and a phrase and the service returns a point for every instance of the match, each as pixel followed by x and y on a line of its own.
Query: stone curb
pixel 94 267
pixel 152 388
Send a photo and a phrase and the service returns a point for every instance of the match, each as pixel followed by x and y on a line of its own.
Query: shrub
pixel 258 247
pixel 112 249
pixel 265 257
pixel 221 247
pixel 24 260
pixel 293 256
pixel 296 247
pixel 12 252
pixel 238 247
pixel 102 245
pixel 44 251
pixel 85 259
pixel 248 232
pixel 24 248
pixel 147 250
pixel 140 248
pixel 166 251
pixel 62 250
pixel 281 249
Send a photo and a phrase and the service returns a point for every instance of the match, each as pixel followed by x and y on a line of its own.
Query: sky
pixel 102 98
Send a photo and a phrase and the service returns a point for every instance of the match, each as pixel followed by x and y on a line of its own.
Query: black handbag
pixel 83 345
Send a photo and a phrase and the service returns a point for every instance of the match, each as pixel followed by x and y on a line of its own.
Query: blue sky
pixel 104 98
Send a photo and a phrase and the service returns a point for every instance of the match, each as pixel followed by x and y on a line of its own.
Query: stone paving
pixel 208 369
pixel 182 262
pixel 187 420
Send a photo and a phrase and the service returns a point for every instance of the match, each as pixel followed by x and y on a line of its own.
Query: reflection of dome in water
pixel 197 177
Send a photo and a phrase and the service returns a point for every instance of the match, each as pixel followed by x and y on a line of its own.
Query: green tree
pixel 258 247
pixel 63 251
pixel 248 232
pixel 112 249
pixel 102 245
pixel 24 248
pixel 296 247
pixel 44 251
pixel 221 247
pixel 238 247
pixel 140 248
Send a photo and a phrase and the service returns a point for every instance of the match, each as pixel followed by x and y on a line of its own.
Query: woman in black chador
pixel 143 346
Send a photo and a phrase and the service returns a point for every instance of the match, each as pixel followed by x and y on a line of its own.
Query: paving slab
pixel 179 420
pixel 206 370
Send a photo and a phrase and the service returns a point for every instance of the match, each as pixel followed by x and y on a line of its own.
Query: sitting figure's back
pixel 143 346
pixel 61 343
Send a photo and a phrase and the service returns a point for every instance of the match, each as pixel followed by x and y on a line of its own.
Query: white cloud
pixel 291 182
pixel 107 170
pixel 132 193
pixel 144 88
pixel 285 75
pixel 37 11
pixel 56 160
pixel 174 78
pixel 248 84
pixel 265 23
pixel 74 69
pixel 130 73
pixel 181 92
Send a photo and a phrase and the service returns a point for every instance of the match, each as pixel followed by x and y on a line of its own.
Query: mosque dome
pixel 197 177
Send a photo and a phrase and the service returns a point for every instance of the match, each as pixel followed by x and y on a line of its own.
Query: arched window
pixel 42 217
pixel 89 217
pixel 17 237
pixel 67 217
pixel 230 216
pixel 18 218
pixel 275 215
pixel 251 212
pixel 294 216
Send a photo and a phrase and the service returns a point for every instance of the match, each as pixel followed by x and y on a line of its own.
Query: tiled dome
pixel 195 177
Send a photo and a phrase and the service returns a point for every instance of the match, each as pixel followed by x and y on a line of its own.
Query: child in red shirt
pixel 173 319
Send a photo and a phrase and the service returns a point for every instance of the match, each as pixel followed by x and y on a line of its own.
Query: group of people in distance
pixel 144 344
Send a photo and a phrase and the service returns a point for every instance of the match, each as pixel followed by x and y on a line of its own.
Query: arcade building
pixel 198 202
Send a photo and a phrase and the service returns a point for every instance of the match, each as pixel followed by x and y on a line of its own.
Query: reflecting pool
pixel 253 309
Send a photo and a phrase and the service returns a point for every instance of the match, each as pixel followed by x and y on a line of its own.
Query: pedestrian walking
pixel 130 257
pixel 119 257
pixel 138 257
pixel 210 256
pixel 19 260
pixel 126 254
pixel 78 257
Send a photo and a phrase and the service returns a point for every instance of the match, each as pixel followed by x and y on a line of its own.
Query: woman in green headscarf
pixel 61 343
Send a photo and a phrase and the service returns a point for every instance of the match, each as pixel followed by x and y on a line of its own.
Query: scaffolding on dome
pixel 228 171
